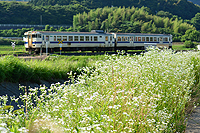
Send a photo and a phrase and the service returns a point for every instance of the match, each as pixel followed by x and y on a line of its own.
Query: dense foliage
pixel 22 13
pixel 143 93
pixel 132 20
pixel 182 8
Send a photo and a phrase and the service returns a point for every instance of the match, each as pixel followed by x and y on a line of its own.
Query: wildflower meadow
pixel 139 93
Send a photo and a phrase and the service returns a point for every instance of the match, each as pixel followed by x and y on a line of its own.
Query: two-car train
pixel 95 40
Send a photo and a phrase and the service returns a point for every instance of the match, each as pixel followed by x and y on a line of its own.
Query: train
pixel 96 40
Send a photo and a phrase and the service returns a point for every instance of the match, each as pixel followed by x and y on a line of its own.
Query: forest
pixel 86 15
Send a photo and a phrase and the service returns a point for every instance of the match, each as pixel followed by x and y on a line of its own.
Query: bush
pixel 189 44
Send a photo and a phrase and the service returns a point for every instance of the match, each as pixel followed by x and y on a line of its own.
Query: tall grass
pixel 141 93
pixel 54 67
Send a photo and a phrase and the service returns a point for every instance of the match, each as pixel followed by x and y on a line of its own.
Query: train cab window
pixel 118 38
pixel 59 38
pixel 147 39
pixel 95 38
pixel 106 38
pixel 100 36
pixel 155 39
pixel 151 39
pixel 81 38
pixel 54 38
pixel 110 38
pixel 136 39
pixel 34 36
pixel 64 38
pixel 39 36
pixel 165 39
pixel 75 38
pixel 139 39
pixel 87 38
pixel 70 38
pixel 143 39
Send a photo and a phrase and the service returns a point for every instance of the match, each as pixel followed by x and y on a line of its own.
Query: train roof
pixel 66 33
pixel 142 34
pixel 93 32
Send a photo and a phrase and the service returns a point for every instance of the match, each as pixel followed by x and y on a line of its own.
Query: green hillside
pixel 182 8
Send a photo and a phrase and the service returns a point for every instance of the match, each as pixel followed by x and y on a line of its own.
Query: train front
pixel 32 41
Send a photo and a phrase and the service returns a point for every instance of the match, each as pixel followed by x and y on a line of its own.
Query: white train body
pixel 93 41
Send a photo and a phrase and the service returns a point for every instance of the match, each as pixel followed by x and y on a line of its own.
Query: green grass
pixel 140 93
pixel 53 67
pixel 180 46
pixel 7 49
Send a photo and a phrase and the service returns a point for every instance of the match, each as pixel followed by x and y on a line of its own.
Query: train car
pixel 96 40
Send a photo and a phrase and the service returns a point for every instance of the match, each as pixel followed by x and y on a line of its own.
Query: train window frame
pixel 82 38
pixel 123 38
pixel 119 38
pixel 139 39
pixel 87 38
pixel 136 39
pixel 39 36
pixel 59 37
pixel 71 38
pixel 151 39
pixel 64 38
pixel 143 39
pixel 34 36
pixel 165 39
pixel 155 39
pixel 147 39
pixel 95 38
pixel 76 38
pixel 106 38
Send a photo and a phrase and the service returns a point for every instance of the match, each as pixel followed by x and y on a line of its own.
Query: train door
pixel 106 40
pixel 161 40
pixel 131 41
pixel 30 40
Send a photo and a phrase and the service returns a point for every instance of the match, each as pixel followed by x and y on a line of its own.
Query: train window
pixel 106 38
pixel 126 38
pixel 81 38
pixel 147 39
pixel 64 38
pixel 87 38
pixel 39 36
pixel 151 39
pixel 100 36
pixel 75 38
pixel 139 38
pixel 165 39
pixel 70 38
pixel 132 38
pixel 95 38
pixel 54 38
pixel 58 38
pixel 143 39
pixel 123 38
pixel 33 35
pixel 155 39
pixel 90 38
pixel 135 38
pixel 119 38
pixel 110 38
pixel 161 39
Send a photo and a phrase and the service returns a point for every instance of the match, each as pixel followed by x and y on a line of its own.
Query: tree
pixel 196 21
